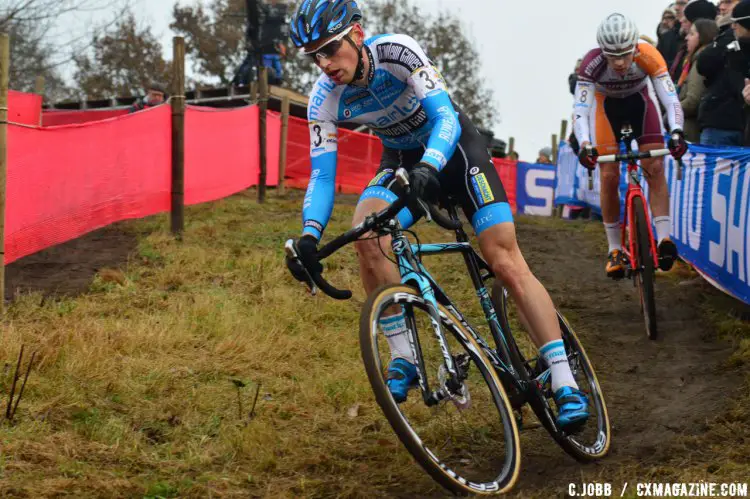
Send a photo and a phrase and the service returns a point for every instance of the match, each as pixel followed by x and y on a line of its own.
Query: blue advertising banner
pixel 535 188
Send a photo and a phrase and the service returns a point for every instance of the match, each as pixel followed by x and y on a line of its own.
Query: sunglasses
pixel 620 55
pixel 331 47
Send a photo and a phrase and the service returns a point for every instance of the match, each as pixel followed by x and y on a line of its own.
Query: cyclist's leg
pixel 652 137
pixel 474 182
pixel 376 269
pixel 609 118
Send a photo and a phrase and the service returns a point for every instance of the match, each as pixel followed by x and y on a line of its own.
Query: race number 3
pixel 323 138
pixel 426 81
pixel 318 139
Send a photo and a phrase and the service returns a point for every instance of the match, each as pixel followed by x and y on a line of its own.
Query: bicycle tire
pixel 645 260
pixel 542 407
pixel 378 302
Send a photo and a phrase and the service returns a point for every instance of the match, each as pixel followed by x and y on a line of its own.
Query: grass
pixel 134 393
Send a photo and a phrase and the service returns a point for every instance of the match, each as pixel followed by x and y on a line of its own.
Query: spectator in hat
pixel 668 35
pixel 545 156
pixel 155 95
pixel 696 9
pixel 725 64
pixel 691 85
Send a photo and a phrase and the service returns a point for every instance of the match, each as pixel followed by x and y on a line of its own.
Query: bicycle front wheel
pixel 644 258
pixel 468 440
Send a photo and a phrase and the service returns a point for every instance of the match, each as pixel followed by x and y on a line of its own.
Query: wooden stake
pixel 263 84
pixel 254 92
pixel 4 76
pixel 39 90
pixel 178 137
pixel 511 146
pixel 283 142
pixel 39 85
pixel 554 148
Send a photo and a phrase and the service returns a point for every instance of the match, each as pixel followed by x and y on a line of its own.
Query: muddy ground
pixel 656 391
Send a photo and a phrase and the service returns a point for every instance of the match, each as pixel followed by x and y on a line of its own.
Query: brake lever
pixel 291 251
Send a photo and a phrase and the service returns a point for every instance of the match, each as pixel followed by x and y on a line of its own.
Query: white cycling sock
pixel 555 356
pixel 662 227
pixel 396 333
pixel 614 236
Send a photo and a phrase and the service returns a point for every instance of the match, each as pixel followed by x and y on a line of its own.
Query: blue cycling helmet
pixel 319 19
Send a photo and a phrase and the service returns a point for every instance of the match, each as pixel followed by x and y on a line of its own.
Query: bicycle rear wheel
pixel 644 259
pixel 468 442
pixel 590 443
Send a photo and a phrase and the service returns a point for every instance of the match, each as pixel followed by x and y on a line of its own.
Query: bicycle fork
pixel 455 374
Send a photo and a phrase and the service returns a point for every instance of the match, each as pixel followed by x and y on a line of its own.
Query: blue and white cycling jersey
pixel 405 103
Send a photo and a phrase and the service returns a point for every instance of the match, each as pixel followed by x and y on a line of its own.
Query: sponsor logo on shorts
pixel 347 113
pixel 381 178
pixel 474 170
pixel 481 222
pixel 482 189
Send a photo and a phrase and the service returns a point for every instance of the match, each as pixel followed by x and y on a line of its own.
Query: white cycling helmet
pixel 617 35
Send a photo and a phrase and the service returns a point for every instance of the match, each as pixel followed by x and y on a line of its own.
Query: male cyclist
pixel 619 83
pixel 388 83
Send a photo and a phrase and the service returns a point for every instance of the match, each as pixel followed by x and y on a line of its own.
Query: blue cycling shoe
pixel 402 375
pixel 572 407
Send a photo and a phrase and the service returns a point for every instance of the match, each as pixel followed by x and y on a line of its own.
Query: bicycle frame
pixel 634 190
pixel 413 272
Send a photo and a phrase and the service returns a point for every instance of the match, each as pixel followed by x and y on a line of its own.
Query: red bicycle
pixel 640 251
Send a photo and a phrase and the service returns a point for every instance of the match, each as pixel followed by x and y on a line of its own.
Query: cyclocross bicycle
pixel 461 423
pixel 641 254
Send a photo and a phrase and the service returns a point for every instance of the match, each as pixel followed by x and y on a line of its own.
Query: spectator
pixel 696 9
pixel 679 8
pixel 266 33
pixel 725 64
pixel 273 33
pixel 668 35
pixel 691 84
pixel 155 95
pixel 725 8
pixel 545 155
pixel 724 20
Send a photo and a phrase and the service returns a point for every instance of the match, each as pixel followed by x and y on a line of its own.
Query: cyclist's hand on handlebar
pixel 307 247
pixel 424 183
pixel 588 156
pixel 677 145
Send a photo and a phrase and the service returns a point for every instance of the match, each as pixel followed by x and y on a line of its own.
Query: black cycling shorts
pixel 469 179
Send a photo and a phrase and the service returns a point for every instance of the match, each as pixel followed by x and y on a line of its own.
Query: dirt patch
pixel 68 268
pixel 655 391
